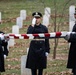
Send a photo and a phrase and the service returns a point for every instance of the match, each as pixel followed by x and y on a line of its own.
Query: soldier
pixel 72 52
pixel 3 52
pixel 39 48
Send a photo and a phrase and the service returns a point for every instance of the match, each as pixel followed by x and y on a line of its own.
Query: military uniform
pixel 3 51
pixel 72 52
pixel 36 56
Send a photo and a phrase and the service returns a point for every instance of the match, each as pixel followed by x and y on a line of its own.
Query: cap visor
pixel 36 15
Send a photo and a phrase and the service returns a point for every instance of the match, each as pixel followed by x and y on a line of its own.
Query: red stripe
pixel 11 34
pixel 35 35
pixel 7 36
pixel 47 35
pixel 58 34
pixel 25 36
pixel 16 37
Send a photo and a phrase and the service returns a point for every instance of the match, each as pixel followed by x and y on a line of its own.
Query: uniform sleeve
pixel 72 38
pixel 30 30
pixel 74 28
pixel 5 49
pixel 47 45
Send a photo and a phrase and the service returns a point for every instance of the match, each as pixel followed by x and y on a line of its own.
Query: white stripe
pixel 18 35
pixel 63 34
pixel 31 37
pixel 21 37
pixel 52 34
pixel 11 37
pixel 41 35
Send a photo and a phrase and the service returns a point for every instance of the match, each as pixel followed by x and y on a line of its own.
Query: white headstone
pixel 71 13
pixel 0 16
pixel 11 43
pixel 19 22
pixel 15 29
pixel 27 50
pixel 47 11
pixel 24 71
pixel 23 14
pixel 71 24
pixel 71 17
pixel 45 20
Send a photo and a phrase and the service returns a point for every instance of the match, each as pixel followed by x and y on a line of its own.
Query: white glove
pixel 6 39
pixel 2 37
pixel 4 56
pixel 33 21
pixel 67 37
pixel 46 53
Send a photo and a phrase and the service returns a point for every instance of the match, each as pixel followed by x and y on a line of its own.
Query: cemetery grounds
pixel 11 10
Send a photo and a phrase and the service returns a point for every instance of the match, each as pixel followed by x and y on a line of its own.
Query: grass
pixel 11 9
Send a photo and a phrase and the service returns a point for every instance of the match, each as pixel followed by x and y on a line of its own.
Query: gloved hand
pixel 4 56
pixel 46 53
pixel 67 37
pixel 33 21
pixel 6 39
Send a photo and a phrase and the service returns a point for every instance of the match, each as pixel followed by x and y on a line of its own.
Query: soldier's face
pixel 38 20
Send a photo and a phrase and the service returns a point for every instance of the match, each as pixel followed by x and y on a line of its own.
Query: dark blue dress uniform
pixel 72 38
pixel 36 58
pixel 72 52
pixel 3 51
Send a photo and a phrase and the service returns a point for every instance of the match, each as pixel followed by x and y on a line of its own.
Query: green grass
pixel 11 9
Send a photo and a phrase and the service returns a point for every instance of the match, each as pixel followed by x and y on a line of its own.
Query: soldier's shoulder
pixel 43 26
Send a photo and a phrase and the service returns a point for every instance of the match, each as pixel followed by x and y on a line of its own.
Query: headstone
pixel 47 11
pixel 24 71
pixel 0 17
pixel 11 43
pixel 71 24
pixel 71 17
pixel 45 20
pixel 71 13
pixel 27 50
pixel 23 14
pixel 15 30
pixel 8 47
pixel 19 22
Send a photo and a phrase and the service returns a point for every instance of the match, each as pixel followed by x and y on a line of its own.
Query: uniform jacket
pixel 72 52
pixel 3 50
pixel 36 57
pixel 72 38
